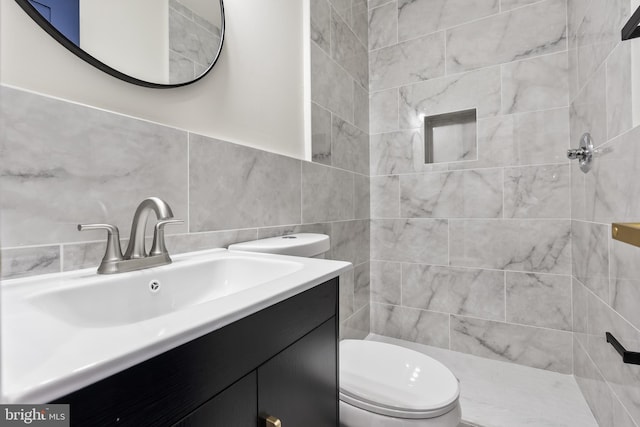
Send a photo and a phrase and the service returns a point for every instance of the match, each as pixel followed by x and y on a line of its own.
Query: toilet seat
pixel 394 381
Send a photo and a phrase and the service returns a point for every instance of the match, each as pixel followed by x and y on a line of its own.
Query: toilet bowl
pixel 381 385
pixel 386 385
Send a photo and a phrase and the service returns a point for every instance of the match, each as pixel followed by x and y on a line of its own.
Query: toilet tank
pixel 310 245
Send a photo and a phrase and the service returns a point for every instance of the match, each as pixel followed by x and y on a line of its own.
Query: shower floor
pixel 501 394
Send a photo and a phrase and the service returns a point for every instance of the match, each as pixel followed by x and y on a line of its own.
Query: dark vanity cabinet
pixel 279 362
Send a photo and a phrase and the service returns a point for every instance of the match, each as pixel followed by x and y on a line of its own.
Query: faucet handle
pixel 113 252
pixel 158 247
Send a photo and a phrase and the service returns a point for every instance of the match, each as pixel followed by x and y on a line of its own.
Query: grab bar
pixel 630 357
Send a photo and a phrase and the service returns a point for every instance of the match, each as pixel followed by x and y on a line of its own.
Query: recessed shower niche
pixel 451 137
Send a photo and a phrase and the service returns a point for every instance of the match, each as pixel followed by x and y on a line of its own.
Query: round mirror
pixel 152 43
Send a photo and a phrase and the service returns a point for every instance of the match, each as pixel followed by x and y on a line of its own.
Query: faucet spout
pixel 136 247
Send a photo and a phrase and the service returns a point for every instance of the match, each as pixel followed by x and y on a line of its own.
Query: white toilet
pixel 381 385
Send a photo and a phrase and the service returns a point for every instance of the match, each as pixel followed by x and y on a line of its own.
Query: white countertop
pixel 45 357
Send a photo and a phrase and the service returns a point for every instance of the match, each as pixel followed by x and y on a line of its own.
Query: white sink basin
pixel 61 332
pixel 112 300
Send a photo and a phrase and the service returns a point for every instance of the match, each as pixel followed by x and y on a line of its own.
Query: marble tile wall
pixel 606 291
pixel 474 256
pixel 65 164
pixel 340 139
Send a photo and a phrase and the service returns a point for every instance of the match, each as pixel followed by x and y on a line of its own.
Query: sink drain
pixel 154 286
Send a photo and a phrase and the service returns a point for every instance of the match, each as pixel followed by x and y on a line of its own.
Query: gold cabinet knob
pixel 272 421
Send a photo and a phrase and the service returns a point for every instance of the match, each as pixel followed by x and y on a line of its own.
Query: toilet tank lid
pixel 299 244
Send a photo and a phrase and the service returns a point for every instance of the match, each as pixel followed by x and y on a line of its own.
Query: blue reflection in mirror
pixel 62 14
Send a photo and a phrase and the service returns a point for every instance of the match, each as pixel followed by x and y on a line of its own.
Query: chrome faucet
pixel 136 257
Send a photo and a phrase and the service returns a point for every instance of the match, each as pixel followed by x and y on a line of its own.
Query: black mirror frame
pixel 76 50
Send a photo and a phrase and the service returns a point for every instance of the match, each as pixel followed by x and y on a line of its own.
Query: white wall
pixel 131 36
pixel 254 95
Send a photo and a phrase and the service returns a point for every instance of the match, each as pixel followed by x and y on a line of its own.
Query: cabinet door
pixel 234 407
pixel 299 385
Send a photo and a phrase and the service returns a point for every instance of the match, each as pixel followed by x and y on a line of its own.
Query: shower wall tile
pixel 470 292
pixel 331 85
pixel 350 241
pixel 23 262
pixel 410 240
pixel 396 65
pixel 479 89
pixel 321 24
pixel 383 26
pixel 320 134
pixel 348 51
pixel 420 17
pixel 610 194
pixel 525 345
pixel 360 21
pixel 619 91
pixel 362 196
pixel 424 327
pixel 625 281
pixel 362 286
pixel 385 197
pixel 521 139
pixel 357 326
pixel 588 111
pixel 361 107
pixel 594 388
pixel 65 164
pixel 248 187
pixel 499 39
pixel 343 7
pixel 590 256
pixel 538 192
pixel 386 282
pixel 384 111
pixel 327 194
pixel 350 147
pixel 400 152
pixel 622 378
pixel 535 84
pixel 580 310
pixel 377 3
pixel 542 246
pixel 598 33
pixel 346 295
pixel 512 4
pixel 469 194
pixel 552 296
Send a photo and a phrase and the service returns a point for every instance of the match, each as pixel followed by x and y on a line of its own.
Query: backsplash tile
pixel 247 187
pixel 22 262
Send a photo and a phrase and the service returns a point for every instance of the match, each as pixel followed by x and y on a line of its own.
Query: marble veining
pixel 386 282
pixel 247 187
pixel 536 347
pixel 349 147
pixel 23 262
pixel 479 89
pixel 590 250
pixel 331 85
pixel 519 34
pixel 516 245
pixel 321 24
pixel 400 152
pixel 535 84
pixel 398 65
pixel 472 292
pixel 320 134
pixel 327 194
pixel 469 194
pixel 410 240
pixel 385 196
pixel 384 111
pixel 348 51
pixel 350 241
pixel 383 25
pixel 538 192
pixel 65 164
pixel 420 326
pixel 552 297
pixel 419 17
